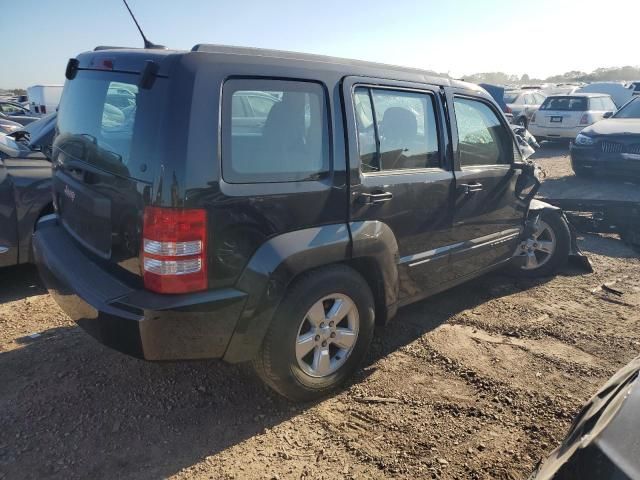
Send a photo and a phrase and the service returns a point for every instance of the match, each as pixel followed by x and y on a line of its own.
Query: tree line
pixel 612 74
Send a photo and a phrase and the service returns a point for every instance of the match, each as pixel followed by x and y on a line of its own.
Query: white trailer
pixel 44 99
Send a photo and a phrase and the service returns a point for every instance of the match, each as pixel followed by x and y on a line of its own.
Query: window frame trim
pixel 226 92
pixel 439 132
pixel 502 121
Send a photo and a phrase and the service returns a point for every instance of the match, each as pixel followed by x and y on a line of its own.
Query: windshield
pixel 510 97
pixel 100 117
pixel 630 110
pixel 565 104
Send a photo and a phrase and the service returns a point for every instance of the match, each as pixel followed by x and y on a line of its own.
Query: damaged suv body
pixel 267 206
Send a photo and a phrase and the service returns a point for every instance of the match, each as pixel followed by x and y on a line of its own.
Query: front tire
pixel 319 335
pixel 547 248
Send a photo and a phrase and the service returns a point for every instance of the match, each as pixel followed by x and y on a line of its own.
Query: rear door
pixel 488 214
pixel 400 175
pixel 107 156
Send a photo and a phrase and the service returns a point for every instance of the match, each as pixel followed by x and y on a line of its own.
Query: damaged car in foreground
pixel 360 188
pixel 602 443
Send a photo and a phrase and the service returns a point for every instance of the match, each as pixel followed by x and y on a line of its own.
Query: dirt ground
pixel 477 383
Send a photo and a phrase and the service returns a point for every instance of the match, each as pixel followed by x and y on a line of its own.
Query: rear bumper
pixel 541 132
pixel 593 159
pixel 136 322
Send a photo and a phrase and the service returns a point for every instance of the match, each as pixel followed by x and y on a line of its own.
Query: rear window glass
pixel 510 97
pixel 105 120
pixel 274 131
pixel 565 104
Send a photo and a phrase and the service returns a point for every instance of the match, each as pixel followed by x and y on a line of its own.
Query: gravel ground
pixel 479 382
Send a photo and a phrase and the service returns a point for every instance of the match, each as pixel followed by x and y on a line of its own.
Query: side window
pixel 483 140
pixel 528 99
pixel 595 103
pixel 609 106
pixel 538 98
pixel 261 105
pixel 397 130
pixel 366 130
pixel 237 107
pixel 290 144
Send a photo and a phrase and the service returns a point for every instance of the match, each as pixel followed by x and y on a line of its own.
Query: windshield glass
pixel 630 110
pixel 510 97
pixel 105 120
pixel 565 104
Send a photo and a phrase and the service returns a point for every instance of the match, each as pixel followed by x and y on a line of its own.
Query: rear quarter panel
pixel 31 180
pixel 8 224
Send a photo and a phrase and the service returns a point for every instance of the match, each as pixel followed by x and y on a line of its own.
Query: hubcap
pixel 327 335
pixel 539 247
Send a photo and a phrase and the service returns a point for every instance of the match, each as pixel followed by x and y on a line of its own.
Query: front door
pixel 400 175
pixel 489 215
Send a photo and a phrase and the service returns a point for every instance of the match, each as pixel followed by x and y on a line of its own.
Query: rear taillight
pixel 174 247
pixel 585 120
pixel 507 109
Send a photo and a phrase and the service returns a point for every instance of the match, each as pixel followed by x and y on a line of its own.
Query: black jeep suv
pixel 271 207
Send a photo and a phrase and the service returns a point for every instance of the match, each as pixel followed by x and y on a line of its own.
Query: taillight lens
pixel 508 109
pixel 585 120
pixel 174 250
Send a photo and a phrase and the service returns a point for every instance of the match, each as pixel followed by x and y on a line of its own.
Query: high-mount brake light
pixel 174 247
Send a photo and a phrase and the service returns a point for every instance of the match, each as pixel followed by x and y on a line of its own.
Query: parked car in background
pixel 602 442
pixel 619 92
pixel 8 126
pixel 13 109
pixel 523 105
pixel 562 89
pixel 497 93
pixel 25 187
pixel 610 146
pixel 44 99
pixel 289 245
pixel 635 88
pixel 19 119
pixel 562 117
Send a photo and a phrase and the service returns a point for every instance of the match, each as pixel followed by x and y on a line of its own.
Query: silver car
pixel 523 105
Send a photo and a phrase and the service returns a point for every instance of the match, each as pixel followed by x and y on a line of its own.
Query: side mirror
pixel 608 114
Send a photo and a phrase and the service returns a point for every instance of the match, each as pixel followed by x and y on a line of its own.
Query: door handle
pixel 469 188
pixel 373 198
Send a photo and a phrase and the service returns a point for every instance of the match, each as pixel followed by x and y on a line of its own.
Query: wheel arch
pixel 367 247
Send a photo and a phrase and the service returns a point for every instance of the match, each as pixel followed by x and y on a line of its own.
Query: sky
pixel 540 38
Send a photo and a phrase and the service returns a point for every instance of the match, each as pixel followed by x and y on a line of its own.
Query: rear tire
pixel 302 323
pixel 546 250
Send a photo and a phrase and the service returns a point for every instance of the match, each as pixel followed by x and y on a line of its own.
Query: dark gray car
pixel 25 187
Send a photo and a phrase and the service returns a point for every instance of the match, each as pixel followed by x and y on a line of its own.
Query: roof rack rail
pixel 109 47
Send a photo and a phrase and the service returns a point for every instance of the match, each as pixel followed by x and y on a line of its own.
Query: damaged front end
pixel 529 184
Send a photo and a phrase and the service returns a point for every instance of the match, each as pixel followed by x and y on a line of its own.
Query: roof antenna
pixel 147 43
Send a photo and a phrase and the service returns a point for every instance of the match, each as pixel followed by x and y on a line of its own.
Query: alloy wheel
pixel 327 335
pixel 539 247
